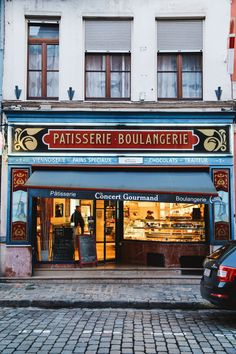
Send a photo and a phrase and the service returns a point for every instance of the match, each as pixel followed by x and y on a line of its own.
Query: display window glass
pixel 56 234
pixel 165 222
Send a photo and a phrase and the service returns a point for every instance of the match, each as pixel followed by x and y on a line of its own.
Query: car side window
pixel 219 252
pixel 230 259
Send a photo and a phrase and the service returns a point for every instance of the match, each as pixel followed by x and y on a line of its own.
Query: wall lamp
pixel 17 92
pixel 218 93
pixel 70 93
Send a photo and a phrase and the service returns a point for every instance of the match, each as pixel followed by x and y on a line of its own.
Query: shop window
pixel 56 233
pixel 165 222
pixel 179 76
pixel 43 61
pixel 55 236
pixel 108 76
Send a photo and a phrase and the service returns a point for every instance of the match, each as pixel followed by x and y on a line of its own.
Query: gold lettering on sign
pixel 162 139
pixel 149 139
pixel 55 138
pixel 71 138
pixel 155 139
pixel 85 139
pixel 185 139
pixel 77 138
pixel 62 139
pixel 120 139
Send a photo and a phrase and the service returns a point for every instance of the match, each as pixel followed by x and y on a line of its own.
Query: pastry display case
pixel 182 223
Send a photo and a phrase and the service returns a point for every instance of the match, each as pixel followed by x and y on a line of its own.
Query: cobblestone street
pixel 113 331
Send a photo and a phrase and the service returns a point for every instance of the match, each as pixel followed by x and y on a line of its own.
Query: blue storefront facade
pixel 155 188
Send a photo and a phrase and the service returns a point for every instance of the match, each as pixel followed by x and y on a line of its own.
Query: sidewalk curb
pixel 58 304
pixel 98 280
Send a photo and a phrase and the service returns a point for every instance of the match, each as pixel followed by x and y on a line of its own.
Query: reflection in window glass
pixel 35 57
pixel 120 62
pixel 43 31
pixel 120 84
pixel 52 84
pixel 19 206
pixel 52 57
pixel 192 85
pixel 43 63
pixel 95 62
pixel 167 85
pixel 35 84
pixel 95 84
pixel 167 63
pixel 179 76
pixel 107 76
pixel 191 62
pixel 222 208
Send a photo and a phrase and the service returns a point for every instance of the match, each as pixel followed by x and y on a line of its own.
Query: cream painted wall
pixel 216 27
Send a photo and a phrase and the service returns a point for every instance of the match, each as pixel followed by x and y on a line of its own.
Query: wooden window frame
pixel 44 42
pixel 179 72
pixel 108 72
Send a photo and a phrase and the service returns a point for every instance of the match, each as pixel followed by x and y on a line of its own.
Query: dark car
pixel 218 284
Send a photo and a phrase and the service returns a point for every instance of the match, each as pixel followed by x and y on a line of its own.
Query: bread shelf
pixel 176 230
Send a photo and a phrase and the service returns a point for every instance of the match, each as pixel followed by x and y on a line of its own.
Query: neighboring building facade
pixel 1 77
pixel 232 60
pixel 123 108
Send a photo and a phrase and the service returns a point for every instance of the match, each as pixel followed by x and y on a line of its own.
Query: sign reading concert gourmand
pixel 198 139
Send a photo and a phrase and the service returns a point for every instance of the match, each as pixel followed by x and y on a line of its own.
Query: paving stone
pixel 69 331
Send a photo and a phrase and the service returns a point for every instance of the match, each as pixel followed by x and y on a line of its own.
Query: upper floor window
pixel 107 59
pixel 179 59
pixel 179 76
pixel 107 75
pixel 43 61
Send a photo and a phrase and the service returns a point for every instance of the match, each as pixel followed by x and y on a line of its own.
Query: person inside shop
pixel 78 228
pixel 77 220
pixel 149 216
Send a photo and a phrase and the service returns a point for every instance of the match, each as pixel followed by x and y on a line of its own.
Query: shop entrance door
pixel 106 230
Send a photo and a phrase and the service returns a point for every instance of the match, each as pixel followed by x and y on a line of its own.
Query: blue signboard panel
pixel 121 196
pixel 121 160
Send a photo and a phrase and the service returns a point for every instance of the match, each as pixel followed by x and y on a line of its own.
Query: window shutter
pixel 177 35
pixel 108 35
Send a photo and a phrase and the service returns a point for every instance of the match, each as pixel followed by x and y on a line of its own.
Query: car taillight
pixel 226 274
pixel 220 296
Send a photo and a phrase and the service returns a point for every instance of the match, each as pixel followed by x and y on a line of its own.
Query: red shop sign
pixel 61 139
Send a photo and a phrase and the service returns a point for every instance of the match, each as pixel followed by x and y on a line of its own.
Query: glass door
pixel 106 230
pixel 110 230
